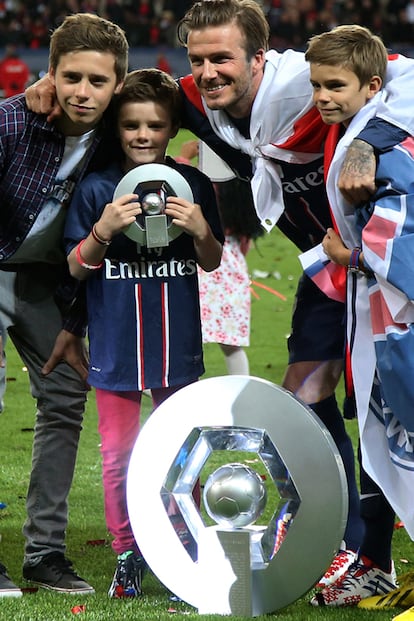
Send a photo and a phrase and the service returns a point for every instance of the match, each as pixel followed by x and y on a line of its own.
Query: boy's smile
pixel 337 92
pixel 144 129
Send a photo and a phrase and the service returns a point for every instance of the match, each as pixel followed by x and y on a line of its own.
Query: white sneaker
pixel 360 581
pixel 342 560
pixel 7 587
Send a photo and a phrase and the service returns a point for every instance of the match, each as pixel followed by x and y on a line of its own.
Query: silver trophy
pixel 242 550
pixel 153 183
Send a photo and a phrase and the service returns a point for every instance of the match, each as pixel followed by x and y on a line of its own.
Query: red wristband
pixel 81 261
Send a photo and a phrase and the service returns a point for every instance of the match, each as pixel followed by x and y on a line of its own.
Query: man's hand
pixel 71 349
pixel 357 176
pixel 41 98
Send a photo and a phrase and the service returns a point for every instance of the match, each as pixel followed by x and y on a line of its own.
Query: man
pixel 40 163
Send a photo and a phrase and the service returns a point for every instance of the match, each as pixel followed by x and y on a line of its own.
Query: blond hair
pixel 353 47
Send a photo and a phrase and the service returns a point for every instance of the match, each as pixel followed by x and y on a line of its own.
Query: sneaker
pixel 342 560
pixel 360 581
pixel 55 572
pixel 128 576
pixel 402 597
pixel 7 587
pixel 407 615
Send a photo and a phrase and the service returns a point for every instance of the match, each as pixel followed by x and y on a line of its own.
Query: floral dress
pixel 225 298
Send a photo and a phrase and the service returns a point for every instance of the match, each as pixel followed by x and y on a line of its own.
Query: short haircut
pixel 151 85
pixel 246 14
pixel 86 31
pixel 353 47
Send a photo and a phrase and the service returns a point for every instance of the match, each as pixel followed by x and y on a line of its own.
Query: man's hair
pixel 154 85
pixel 353 47
pixel 86 31
pixel 246 14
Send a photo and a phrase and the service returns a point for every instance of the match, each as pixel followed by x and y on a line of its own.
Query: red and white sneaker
pixel 360 581
pixel 342 560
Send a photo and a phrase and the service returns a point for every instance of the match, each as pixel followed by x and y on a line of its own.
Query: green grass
pixel 267 355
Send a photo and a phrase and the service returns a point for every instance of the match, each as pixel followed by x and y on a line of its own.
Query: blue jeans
pixel 32 320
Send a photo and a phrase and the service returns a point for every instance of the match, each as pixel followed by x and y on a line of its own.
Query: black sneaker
pixel 128 576
pixel 55 572
pixel 7 587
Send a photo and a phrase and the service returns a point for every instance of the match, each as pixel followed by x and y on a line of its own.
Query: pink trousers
pixel 119 417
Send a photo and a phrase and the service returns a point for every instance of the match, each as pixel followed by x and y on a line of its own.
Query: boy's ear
pixel 375 85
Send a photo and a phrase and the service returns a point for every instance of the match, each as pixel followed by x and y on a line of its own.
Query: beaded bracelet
pixel 80 260
pixel 354 260
pixel 99 240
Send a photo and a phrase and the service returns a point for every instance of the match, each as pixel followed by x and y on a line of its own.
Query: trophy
pixel 153 183
pixel 277 496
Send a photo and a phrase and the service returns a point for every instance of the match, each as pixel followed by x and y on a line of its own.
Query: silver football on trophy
pixel 234 495
pixel 153 183
pixel 152 204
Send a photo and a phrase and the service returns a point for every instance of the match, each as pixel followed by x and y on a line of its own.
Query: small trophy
pixel 153 183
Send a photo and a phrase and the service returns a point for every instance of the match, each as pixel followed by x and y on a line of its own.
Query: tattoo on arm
pixel 359 157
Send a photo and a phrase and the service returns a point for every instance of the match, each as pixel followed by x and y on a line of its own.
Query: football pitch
pixel 274 270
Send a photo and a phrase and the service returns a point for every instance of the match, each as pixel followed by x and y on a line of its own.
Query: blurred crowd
pixel 151 23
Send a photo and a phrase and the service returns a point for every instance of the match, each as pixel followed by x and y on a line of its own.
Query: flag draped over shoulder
pixel 284 126
pixel 380 315
pixel 388 245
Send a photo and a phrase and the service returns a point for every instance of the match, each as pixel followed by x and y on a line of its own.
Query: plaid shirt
pixel 31 151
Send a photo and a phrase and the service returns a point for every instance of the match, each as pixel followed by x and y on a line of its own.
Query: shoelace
pixel 353 575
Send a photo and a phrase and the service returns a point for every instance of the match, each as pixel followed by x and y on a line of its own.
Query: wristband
pixel 80 260
pixel 354 260
pixel 98 239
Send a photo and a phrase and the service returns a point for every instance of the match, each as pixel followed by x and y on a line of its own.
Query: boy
pixel 40 162
pixel 347 69
pixel 144 300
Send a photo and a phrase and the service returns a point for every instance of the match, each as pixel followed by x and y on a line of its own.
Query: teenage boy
pixel 347 69
pixel 144 299
pixel 40 163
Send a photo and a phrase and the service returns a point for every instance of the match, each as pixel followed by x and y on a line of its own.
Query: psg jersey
pixel 143 304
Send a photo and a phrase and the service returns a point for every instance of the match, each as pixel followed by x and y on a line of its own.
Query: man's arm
pixel 356 180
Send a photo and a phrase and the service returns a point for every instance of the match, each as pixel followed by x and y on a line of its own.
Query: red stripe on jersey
pixel 165 334
pixel 140 334
pixel 191 92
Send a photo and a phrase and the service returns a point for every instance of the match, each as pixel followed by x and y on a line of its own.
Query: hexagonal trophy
pixel 275 493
